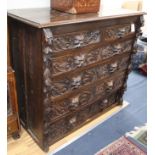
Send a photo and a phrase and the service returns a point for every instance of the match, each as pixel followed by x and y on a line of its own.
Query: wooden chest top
pixel 45 17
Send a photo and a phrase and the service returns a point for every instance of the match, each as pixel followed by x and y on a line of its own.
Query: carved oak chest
pixel 69 68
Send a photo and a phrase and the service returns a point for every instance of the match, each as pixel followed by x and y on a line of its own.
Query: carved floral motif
pixel 61 86
pixel 72 41
pixel 85 97
pixel 65 125
pixel 69 63
pixel 116 32
pixel 53 110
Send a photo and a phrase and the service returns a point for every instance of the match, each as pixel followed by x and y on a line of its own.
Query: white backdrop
pixel 17 4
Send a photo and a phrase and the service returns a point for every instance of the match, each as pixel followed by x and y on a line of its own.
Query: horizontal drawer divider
pixel 91 47
pixel 86 105
pixel 81 69
pixel 83 88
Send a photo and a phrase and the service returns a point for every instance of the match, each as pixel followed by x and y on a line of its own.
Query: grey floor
pixel 133 115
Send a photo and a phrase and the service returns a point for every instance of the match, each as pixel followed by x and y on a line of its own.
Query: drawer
pixel 77 60
pixel 116 32
pixel 70 41
pixel 63 84
pixel 75 101
pixel 67 124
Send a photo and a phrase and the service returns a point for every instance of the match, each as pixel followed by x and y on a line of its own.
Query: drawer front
pixel 69 63
pixel 64 126
pixel 116 32
pixel 77 100
pixel 70 82
pixel 65 42
pixel 59 44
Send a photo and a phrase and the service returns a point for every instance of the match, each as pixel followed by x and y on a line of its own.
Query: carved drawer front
pixel 116 32
pixel 57 44
pixel 77 100
pixel 59 128
pixel 68 63
pixel 62 85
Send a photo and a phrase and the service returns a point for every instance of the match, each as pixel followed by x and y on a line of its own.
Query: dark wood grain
pixel 45 17
pixel 69 65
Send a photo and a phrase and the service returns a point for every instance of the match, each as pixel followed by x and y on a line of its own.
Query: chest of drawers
pixel 69 68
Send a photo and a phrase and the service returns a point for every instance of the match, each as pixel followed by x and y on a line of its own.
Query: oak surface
pixel 45 17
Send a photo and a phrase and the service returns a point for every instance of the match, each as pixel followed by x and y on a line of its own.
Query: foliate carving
pixel 85 97
pixel 69 63
pixel 65 125
pixel 56 130
pixel 138 31
pixel 115 32
pixel 61 86
pixel 48 36
pixel 71 41
pixel 47 82
pixel 142 21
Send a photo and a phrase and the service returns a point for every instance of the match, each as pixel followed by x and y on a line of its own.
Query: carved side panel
pixel 71 41
pixel 68 63
pixel 138 31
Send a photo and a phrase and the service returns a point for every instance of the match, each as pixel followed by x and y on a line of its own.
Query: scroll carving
pixel 71 41
pixel 54 87
pixel 85 97
pixel 112 33
pixel 138 31
pixel 59 87
pixel 67 124
pixel 72 62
